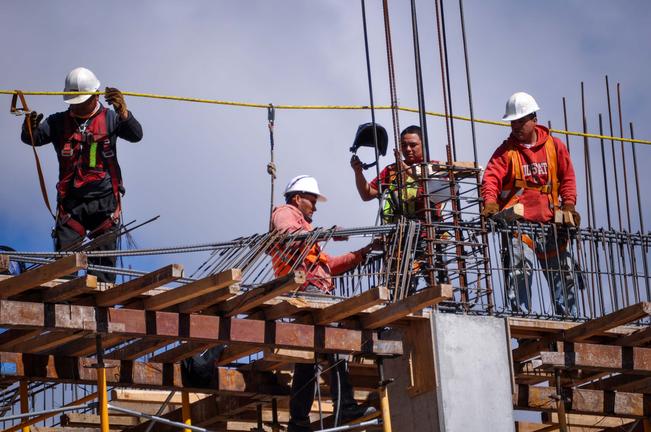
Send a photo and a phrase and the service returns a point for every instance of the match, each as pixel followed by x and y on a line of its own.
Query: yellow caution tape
pixel 320 107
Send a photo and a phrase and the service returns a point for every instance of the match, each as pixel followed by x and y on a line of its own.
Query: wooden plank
pixel 133 288
pixel 35 277
pixel 587 420
pixel 600 357
pixel 47 342
pixel 593 402
pixel 285 309
pixel 235 352
pixel 87 347
pixel 411 304
pixel 181 352
pixel 639 338
pixel 351 306
pixel 72 419
pixel 137 349
pixel 71 289
pixel 606 322
pixel 12 337
pixel 142 375
pixel 257 296
pixel 204 302
pixel 151 396
pixel 282 355
pixel 211 285
pixel 535 328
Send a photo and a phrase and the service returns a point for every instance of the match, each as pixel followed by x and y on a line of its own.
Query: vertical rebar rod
pixel 603 165
pixel 641 216
pixel 392 75
pixel 467 66
pixel 372 101
pixel 621 135
pixel 588 170
pixel 612 145
pixel 567 136
pixel 425 140
pixel 447 81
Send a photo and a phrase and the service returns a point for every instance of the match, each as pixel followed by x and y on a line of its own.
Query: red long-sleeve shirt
pixel 534 163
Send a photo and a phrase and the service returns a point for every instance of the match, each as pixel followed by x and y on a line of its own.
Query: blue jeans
pixel 559 268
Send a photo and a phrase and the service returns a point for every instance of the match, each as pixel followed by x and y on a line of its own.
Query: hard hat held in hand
pixel 80 80
pixel 305 184
pixel 520 104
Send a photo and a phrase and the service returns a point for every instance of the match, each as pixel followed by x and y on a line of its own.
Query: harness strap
pixel 25 111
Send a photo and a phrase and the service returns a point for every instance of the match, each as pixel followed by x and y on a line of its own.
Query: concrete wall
pixel 473 373
pixel 454 376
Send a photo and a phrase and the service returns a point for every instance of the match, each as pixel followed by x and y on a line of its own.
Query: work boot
pixel 294 426
pixel 353 412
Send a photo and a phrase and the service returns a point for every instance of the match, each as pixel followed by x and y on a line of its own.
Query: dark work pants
pixel 90 213
pixel 302 396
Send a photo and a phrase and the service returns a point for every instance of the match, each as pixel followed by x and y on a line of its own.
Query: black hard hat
pixel 364 138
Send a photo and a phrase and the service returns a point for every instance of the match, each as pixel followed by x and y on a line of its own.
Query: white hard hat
pixel 520 104
pixel 80 80
pixel 304 183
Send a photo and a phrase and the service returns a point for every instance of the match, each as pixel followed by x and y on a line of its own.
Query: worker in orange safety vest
pixel 534 169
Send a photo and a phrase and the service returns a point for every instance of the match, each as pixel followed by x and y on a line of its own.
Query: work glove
pixel 34 119
pixel 575 215
pixel 115 98
pixel 271 169
pixel 490 209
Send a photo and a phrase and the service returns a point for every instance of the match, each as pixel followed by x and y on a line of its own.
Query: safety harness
pixel 410 191
pixel 517 184
pixel 85 157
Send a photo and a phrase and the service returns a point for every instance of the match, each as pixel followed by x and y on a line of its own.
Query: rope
pixel 325 107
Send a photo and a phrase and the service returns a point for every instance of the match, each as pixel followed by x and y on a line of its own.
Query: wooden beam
pixel 86 347
pixel 151 396
pixel 71 289
pixel 137 349
pixel 133 288
pixel 606 322
pixel 200 328
pixel 12 337
pixel 587 420
pixel 49 341
pixel 142 375
pixel 285 309
pixel 639 338
pixel 34 278
pixel 235 352
pixel 351 306
pixel 414 303
pixel 215 286
pixel 181 352
pixel 257 296
pixel 594 402
pixel 206 301
pixel 72 419
pixel 600 357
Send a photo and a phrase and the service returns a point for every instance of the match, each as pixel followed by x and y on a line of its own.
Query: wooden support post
pixel 101 386
pixel 185 409
pixel 24 401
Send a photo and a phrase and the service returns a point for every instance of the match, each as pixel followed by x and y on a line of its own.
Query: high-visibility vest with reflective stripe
pixel 512 191
pixel 281 259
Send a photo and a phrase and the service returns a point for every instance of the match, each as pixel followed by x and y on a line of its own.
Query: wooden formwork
pixel 147 329
pixel 599 370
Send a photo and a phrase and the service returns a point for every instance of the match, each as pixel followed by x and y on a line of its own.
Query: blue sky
pixel 202 167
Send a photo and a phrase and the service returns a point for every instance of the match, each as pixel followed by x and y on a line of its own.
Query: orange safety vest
pixel 512 191
pixel 281 265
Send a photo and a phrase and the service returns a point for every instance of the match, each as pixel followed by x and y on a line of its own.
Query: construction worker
pixel 410 195
pixel 411 145
pixel 90 180
pixel 301 195
pixel 534 169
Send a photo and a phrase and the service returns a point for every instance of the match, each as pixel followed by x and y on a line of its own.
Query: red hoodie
pixel 534 163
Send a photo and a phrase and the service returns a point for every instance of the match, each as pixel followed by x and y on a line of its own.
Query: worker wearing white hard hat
pixel 90 185
pixel 533 170
pixel 301 195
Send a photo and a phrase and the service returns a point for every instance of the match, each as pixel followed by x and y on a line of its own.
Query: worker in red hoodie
pixel 534 169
